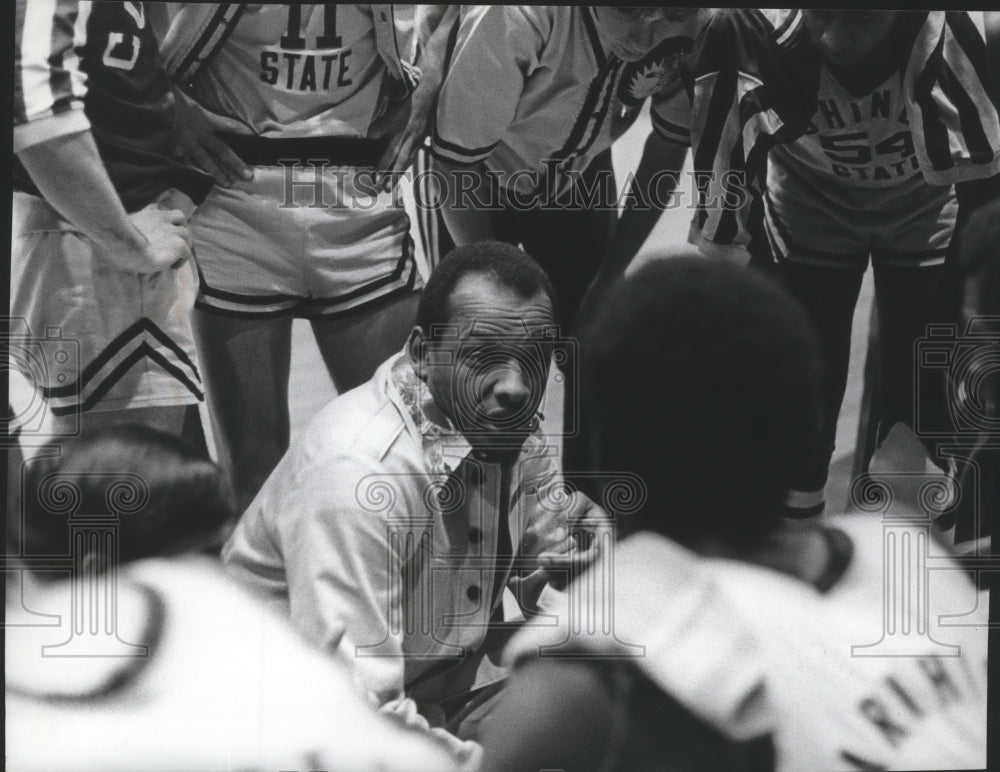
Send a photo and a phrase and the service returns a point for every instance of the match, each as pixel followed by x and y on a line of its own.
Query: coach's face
pixel 488 374
pixel 630 33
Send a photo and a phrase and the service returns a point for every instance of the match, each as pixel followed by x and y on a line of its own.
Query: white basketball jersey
pixel 885 670
pixel 298 70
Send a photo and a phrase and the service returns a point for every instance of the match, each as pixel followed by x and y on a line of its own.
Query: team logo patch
pixel 656 72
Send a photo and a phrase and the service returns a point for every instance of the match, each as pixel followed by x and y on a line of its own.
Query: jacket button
pixel 473 593
pixel 475 535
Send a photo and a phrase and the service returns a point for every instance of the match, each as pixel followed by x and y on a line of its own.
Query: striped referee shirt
pixel 102 57
pixel 753 79
pixel 48 84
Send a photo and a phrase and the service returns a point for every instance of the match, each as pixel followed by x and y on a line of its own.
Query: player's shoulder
pixel 540 20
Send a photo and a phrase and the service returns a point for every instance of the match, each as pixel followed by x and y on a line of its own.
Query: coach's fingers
pixel 561 568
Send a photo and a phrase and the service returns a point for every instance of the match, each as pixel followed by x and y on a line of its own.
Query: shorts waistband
pixel 334 151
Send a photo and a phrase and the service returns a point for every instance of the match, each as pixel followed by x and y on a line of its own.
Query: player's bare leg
pixel 354 346
pixel 245 366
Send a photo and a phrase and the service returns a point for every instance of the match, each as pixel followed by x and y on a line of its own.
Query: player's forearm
pixel 70 175
pixel 465 213
pixel 434 25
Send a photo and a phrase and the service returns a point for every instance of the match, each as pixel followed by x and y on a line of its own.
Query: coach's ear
pixel 416 348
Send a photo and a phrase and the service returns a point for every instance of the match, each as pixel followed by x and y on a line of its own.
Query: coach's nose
pixel 512 388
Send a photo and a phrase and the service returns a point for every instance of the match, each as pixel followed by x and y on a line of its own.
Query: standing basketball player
pixel 99 269
pixel 857 134
pixel 291 107
pixel 524 125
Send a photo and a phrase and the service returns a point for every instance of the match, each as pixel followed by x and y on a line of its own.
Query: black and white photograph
pixel 500 388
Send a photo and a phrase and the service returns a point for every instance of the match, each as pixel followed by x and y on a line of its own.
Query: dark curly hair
pixel 702 378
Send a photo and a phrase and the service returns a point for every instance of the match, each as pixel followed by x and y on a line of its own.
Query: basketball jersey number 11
pixel 293 39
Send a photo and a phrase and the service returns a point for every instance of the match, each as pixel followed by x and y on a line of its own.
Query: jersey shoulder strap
pixel 400 70
pixel 196 33
pixel 991 23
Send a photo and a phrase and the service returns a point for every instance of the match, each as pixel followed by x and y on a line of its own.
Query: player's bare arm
pixel 434 25
pixel 70 175
pixel 467 185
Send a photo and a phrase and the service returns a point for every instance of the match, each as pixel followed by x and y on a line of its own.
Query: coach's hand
pixel 196 132
pixel 589 531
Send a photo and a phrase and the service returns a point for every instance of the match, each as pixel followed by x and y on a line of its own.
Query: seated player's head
pixel 848 38
pixel 631 32
pixel 703 379
pixel 163 496
pixel 483 341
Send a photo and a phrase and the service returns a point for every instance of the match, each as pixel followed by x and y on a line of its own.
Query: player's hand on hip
pixel 167 239
pixel 197 130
